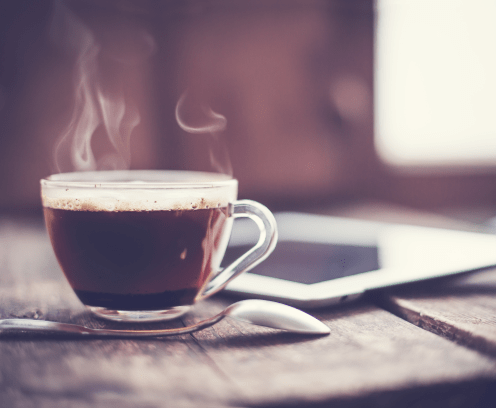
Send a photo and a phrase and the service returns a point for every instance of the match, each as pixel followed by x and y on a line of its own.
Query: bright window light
pixel 435 82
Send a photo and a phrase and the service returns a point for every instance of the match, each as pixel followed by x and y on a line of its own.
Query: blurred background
pixel 318 103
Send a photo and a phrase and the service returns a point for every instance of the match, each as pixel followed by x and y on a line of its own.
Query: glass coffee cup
pixel 145 245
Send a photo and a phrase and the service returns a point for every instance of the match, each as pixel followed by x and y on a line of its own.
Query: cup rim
pixel 139 179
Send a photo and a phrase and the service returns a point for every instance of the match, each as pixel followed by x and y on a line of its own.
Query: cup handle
pixel 266 243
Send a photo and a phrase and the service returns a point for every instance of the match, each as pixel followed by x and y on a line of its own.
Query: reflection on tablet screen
pixel 309 263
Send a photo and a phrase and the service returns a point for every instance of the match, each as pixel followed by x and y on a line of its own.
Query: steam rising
pixel 216 123
pixel 93 106
pixel 119 123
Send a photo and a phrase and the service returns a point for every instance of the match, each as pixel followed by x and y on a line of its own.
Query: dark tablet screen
pixel 309 263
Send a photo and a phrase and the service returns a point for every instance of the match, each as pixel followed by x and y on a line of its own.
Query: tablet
pixel 322 260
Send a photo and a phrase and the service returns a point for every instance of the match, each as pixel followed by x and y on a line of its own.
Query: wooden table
pixel 431 345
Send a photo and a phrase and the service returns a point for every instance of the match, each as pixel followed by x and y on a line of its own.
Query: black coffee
pixel 137 260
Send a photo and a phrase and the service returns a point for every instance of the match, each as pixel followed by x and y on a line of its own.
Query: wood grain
pixel 462 310
pixel 369 351
pixel 371 358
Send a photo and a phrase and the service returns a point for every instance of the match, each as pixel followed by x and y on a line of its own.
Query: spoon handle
pixel 14 326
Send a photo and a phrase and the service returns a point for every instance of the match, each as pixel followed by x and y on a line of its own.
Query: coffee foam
pixel 65 191
pixel 137 200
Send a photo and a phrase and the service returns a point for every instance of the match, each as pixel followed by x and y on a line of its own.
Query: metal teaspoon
pixel 258 312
